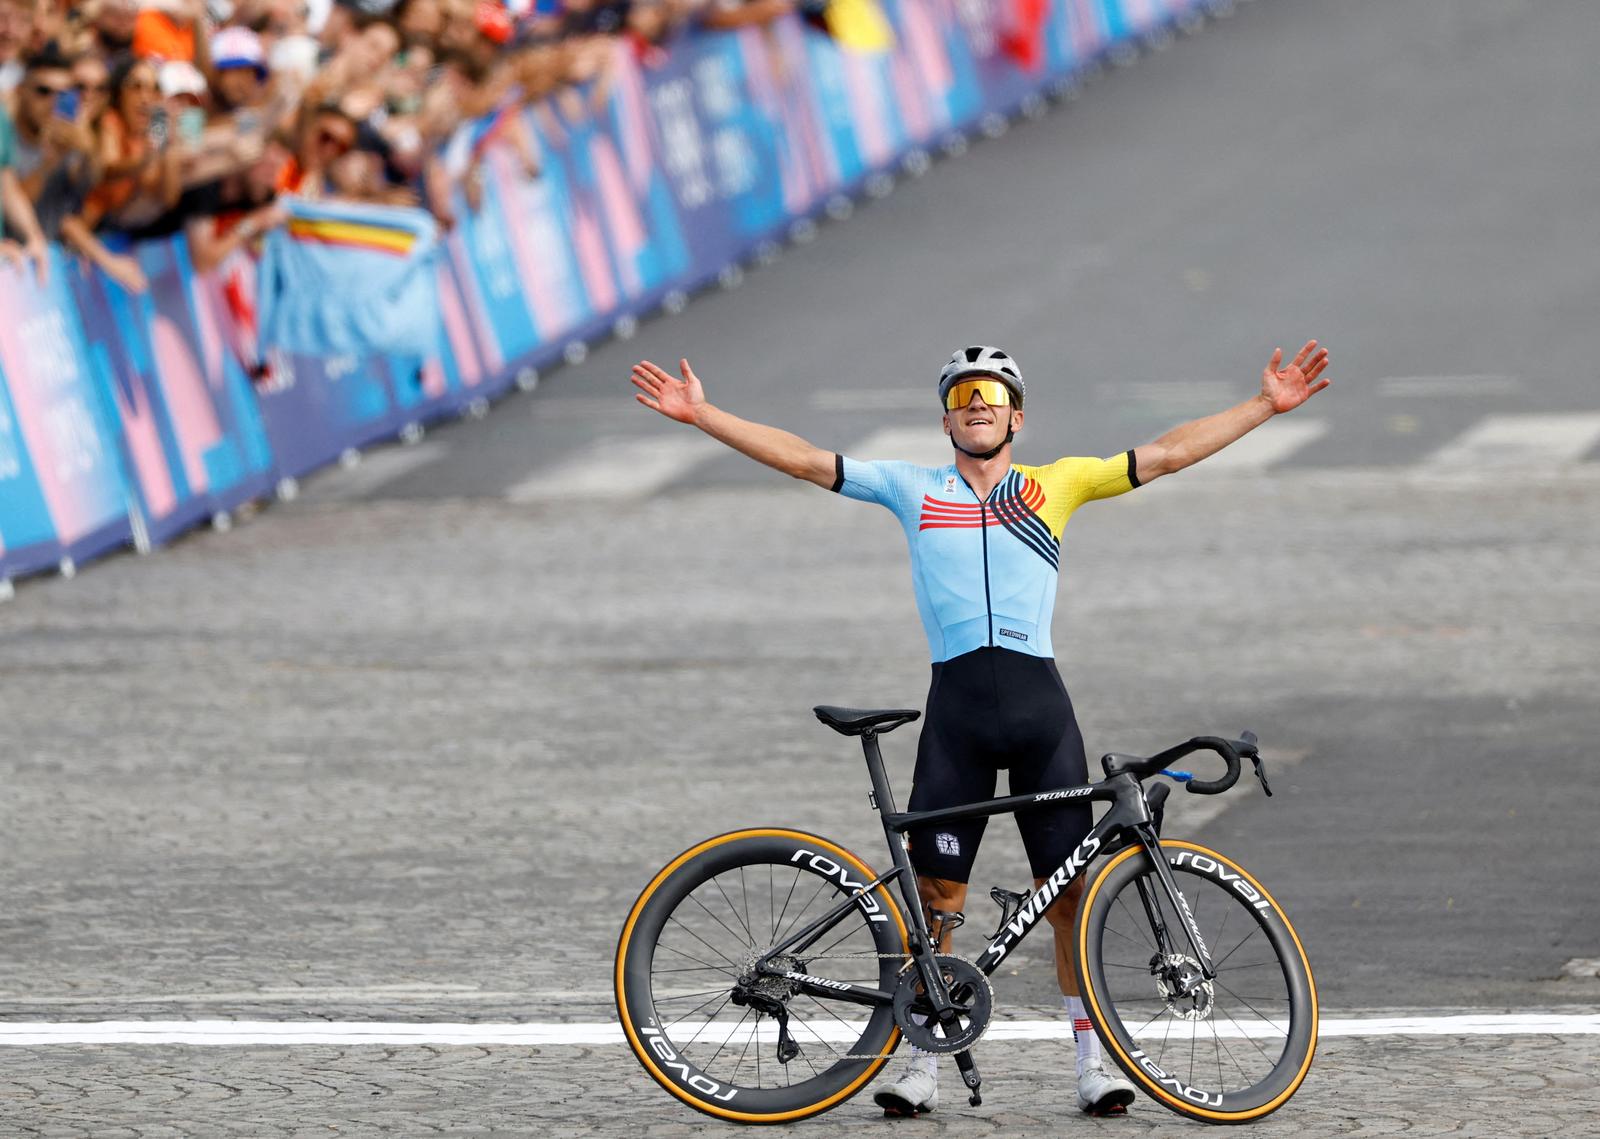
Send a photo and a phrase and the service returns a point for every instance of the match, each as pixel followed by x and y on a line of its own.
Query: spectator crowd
pixel 122 120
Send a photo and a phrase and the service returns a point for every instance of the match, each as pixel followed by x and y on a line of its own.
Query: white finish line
pixel 238 1033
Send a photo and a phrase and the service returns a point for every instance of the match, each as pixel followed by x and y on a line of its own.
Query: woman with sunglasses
pixel 985 539
pixel 327 134
pixel 140 175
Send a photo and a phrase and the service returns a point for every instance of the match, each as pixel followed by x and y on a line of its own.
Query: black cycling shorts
pixel 991 709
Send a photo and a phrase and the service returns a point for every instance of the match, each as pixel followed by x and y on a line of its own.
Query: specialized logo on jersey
pixel 1015 504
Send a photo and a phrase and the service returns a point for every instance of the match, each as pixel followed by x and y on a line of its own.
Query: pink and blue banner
pixel 125 415
pixel 62 492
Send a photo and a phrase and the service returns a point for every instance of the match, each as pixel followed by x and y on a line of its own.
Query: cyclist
pixel 985 536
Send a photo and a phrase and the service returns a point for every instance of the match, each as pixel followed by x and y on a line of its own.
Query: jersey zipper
pixel 983 531
pixel 988 604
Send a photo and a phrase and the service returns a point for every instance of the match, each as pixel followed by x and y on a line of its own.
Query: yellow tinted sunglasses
pixel 994 393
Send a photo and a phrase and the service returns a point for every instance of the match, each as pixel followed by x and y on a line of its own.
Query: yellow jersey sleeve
pixel 1071 482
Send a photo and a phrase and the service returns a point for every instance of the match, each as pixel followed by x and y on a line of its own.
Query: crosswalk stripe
pixel 618 468
pixel 1266 446
pixel 1517 440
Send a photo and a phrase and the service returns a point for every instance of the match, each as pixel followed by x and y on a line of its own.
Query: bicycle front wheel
pixel 1230 1050
pixel 701 925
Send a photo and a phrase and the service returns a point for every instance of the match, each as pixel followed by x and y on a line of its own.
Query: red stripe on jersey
pixel 937 515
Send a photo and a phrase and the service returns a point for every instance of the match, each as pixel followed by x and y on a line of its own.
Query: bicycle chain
pixel 905 957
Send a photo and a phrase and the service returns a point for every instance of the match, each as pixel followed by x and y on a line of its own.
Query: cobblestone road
pixel 1468 1086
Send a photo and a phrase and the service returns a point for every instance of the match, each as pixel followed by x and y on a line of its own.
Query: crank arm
pixel 970 1077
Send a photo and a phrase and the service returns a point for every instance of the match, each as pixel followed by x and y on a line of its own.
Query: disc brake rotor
pixel 971 994
pixel 1176 977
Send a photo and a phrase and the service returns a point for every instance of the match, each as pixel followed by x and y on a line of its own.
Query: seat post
pixel 883 797
pixel 899 848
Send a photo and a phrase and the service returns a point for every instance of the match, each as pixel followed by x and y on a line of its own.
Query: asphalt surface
pixel 407 749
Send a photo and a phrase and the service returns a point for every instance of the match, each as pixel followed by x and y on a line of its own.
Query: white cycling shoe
pixel 1100 1093
pixel 915 1093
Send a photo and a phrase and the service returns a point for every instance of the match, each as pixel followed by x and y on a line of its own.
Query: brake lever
pixel 1261 774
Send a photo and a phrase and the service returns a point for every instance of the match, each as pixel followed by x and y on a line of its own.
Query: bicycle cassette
pixel 971 994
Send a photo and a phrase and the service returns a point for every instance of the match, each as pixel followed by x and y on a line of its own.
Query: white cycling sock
pixel 1083 1032
pixel 926 1061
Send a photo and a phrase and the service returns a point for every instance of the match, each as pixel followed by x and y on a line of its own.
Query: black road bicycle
pixel 766 975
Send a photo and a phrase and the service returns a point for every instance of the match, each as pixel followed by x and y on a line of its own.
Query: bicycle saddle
pixel 860 721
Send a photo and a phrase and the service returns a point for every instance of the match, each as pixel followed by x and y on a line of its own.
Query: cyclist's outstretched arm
pixel 1282 389
pixel 685 401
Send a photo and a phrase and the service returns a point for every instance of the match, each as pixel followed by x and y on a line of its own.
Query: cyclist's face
pixel 978 426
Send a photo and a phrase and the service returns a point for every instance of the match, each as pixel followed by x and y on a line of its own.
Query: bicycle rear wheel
pixel 1233 1050
pixel 701 924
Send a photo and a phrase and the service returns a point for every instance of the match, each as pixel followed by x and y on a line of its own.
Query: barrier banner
pixel 190 431
pixel 62 493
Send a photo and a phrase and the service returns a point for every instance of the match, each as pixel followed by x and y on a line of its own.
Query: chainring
pixel 970 992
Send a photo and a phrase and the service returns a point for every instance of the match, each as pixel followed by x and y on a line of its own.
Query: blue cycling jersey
pixel 985 570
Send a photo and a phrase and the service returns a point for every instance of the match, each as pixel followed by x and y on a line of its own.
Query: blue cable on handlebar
pixel 1180 776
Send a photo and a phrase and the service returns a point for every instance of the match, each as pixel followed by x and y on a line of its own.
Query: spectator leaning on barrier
pixel 140 173
pixel 16 210
pixel 54 149
pixel 237 210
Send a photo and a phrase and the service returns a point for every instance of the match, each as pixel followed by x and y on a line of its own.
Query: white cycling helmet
pixel 983 360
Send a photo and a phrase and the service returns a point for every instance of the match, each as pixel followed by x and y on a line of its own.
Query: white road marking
pixel 295 994
pixel 1450 387
pixel 375 468
pixel 1266 446
pixel 618 468
pixel 238 1033
pixel 925 446
pixel 1520 441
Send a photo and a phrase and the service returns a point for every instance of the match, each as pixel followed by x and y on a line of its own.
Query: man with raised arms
pixel 985 539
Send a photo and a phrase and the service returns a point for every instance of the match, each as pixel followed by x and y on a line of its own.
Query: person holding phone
pixel 52 152
pixel 140 177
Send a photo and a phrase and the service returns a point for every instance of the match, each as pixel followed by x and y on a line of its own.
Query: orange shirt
pixel 156 34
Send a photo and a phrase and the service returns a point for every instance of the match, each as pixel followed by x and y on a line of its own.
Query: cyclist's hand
pixel 672 397
pixel 1287 388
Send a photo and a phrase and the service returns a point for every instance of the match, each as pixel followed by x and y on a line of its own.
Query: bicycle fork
pixel 1185 981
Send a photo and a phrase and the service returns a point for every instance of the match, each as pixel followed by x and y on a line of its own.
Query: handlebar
pixel 1230 750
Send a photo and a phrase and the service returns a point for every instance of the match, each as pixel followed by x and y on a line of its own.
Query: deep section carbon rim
pixel 700 926
pixel 1222 1050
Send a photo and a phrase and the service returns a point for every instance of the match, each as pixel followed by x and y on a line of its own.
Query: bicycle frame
pixel 1129 815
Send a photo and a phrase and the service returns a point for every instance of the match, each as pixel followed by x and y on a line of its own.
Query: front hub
pixel 1182 984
